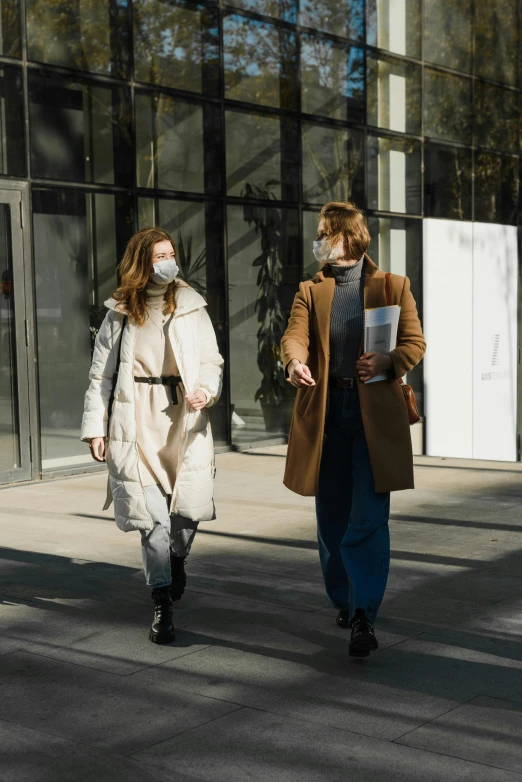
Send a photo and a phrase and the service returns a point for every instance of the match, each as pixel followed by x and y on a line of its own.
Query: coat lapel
pixel 322 296
pixel 374 290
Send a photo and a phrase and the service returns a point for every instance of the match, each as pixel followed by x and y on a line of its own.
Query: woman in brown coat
pixel 350 442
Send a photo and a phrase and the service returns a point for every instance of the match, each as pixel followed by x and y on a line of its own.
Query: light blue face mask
pixel 164 272
pixel 326 254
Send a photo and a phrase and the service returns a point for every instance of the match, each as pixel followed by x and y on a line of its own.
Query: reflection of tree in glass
pixel 189 267
pixel 257 57
pixel 173 41
pixel 267 223
pixel 341 17
pixel 78 35
pixel 336 157
pixel 332 78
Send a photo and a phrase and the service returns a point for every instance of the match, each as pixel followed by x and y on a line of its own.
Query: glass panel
pixel 279 9
pixel 448 33
pixel 332 78
pixel 394 25
pixel 310 263
pixel 394 95
pixel 176 44
pixel 10 457
pixel 79 131
pixel 253 153
pixel 12 130
pixel 394 175
pixel 197 231
pixel 72 276
pixel 333 164
pixel 340 17
pixel 496 188
pixel 447 107
pixel 496 40
pixel 496 117
pixel 260 62
pixel 396 247
pixel 263 274
pixel 169 143
pixel 88 34
pixel 447 182
pixel 10 41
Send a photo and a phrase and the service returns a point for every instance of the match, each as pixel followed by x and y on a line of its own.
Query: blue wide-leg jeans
pixel 352 518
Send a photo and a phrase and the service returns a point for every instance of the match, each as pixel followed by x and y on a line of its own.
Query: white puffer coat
pixel 200 366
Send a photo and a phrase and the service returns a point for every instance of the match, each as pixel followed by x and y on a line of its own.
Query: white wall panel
pixel 494 341
pixel 448 318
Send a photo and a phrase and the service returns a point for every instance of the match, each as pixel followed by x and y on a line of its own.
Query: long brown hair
pixel 342 218
pixel 135 268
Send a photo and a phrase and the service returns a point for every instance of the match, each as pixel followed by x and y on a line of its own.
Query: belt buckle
pixel 149 381
pixel 346 382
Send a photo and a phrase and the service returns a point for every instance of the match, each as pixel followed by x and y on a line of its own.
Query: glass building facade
pixel 229 124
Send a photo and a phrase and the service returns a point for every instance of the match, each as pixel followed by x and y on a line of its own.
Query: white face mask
pixel 164 272
pixel 326 254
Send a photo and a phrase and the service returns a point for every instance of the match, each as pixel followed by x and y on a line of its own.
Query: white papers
pixel 380 332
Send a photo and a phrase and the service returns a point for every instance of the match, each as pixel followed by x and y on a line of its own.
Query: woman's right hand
pixel 97 446
pixel 299 375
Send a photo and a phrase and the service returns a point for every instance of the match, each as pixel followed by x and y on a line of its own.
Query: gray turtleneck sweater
pixel 346 322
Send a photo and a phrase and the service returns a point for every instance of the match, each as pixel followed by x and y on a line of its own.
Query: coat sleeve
pixel 94 422
pixel 210 379
pixel 411 344
pixel 295 342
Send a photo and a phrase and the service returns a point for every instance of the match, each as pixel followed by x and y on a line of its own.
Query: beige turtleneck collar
pixel 156 295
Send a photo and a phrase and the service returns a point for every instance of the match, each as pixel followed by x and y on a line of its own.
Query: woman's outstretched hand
pixel 299 375
pixel 372 364
pixel 97 446
pixel 197 400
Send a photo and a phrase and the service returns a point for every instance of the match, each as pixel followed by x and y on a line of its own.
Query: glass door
pixel 15 453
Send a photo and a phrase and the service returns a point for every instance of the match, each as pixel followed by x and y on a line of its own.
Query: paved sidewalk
pixel 259 685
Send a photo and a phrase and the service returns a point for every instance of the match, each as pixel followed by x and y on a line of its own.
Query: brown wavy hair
pixel 134 270
pixel 342 218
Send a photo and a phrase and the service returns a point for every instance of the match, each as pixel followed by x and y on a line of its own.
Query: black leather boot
pixel 363 640
pixel 162 629
pixel 179 577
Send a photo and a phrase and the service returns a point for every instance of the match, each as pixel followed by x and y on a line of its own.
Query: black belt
pixel 343 382
pixel 171 380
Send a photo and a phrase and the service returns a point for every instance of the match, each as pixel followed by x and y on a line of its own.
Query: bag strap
pixel 388 289
pixel 115 373
pixel 118 359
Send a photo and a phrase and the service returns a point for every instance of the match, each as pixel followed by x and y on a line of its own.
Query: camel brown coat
pixel 383 408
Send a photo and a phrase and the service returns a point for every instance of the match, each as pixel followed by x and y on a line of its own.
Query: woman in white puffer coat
pixel 156 368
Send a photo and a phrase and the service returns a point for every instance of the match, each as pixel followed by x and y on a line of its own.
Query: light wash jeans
pixel 169 534
pixel 352 518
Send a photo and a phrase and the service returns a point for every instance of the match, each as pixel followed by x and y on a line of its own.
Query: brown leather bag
pixel 409 395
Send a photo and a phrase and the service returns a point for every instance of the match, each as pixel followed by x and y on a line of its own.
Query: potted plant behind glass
pixel 267 223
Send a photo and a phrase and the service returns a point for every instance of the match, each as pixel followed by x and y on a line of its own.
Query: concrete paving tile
pixel 349 697
pixel 466 671
pixel 258 586
pixel 254 745
pixel 485 730
pixel 114 643
pixel 432 609
pixel 28 755
pixel 97 708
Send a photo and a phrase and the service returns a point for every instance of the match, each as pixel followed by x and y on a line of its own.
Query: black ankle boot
pixel 179 577
pixel 162 629
pixel 363 640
